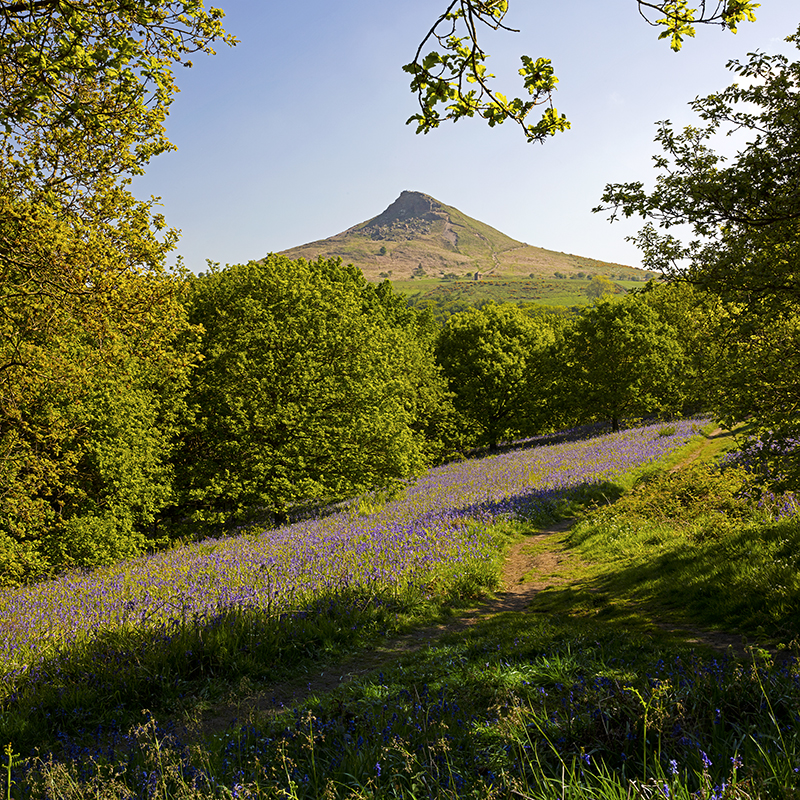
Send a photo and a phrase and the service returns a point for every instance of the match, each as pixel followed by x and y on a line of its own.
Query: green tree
pixel 451 81
pixel 492 358
pixel 600 285
pixel 620 359
pixel 92 370
pixel 85 86
pixel 698 319
pixel 314 386
pixel 94 344
pixel 743 247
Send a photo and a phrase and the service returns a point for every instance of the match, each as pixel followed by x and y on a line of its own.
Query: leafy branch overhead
pixel 680 18
pixel 740 212
pixel 457 76
pixel 451 81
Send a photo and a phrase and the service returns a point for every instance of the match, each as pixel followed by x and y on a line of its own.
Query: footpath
pixel 535 564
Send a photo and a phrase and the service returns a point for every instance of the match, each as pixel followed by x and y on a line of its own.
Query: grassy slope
pixel 473 255
pixel 478 248
pixel 523 705
pixel 686 548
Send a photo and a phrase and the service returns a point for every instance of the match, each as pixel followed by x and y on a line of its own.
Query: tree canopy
pixel 743 212
pixel 85 86
pixel 492 357
pixel 743 219
pixel 620 359
pixel 92 373
pixel 314 386
pixel 95 349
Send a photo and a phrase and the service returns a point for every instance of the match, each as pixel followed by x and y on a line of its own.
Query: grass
pixel 173 666
pixel 454 295
pixel 685 543
pixel 520 706
pixel 583 696
pixel 689 547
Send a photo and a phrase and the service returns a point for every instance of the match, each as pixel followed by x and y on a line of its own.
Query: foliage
pixel 698 319
pixel 533 707
pixel 313 387
pixel 756 378
pixel 491 357
pixel 539 705
pixel 92 370
pixel 261 604
pixel 528 705
pixel 85 87
pixel 697 544
pixel 454 75
pixel 443 297
pixel 441 78
pixel 619 358
pixel 599 286
pixel 743 214
pixel 93 336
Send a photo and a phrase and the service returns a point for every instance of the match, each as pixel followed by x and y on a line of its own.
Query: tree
pixel 93 78
pixel 454 75
pixel 744 213
pixel 744 218
pixel 600 285
pixel 491 357
pixel 314 386
pixel 698 319
pixel 92 372
pixel 94 344
pixel 620 359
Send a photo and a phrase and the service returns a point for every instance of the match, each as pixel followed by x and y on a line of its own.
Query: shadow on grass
pixel 516 699
pixel 540 506
pixel 739 578
pixel 114 675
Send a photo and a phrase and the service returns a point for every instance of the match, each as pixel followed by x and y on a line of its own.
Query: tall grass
pixel 519 707
pixel 578 702
pixel 694 546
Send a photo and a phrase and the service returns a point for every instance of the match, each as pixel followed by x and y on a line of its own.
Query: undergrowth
pixel 518 707
pixel 108 678
pixel 581 697
pixel 693 545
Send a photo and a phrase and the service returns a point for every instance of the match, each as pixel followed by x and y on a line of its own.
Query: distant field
pixel 455 294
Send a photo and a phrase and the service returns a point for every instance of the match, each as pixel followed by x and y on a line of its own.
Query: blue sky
pixel 298 132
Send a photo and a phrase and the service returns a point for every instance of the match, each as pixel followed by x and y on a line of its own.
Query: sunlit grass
pixel 586 700
pixel 691 547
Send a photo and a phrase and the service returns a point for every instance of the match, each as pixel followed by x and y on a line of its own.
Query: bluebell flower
pixel 673 767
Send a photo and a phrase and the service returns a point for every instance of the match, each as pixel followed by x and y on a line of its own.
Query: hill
pixel 419 236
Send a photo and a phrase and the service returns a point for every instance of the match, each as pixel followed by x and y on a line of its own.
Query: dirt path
pixel 542 566
pixel 530 567
pixel 696 455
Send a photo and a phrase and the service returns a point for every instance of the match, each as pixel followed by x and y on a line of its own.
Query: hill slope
pixel 418 234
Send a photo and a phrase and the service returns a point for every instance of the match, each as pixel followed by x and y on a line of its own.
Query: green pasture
pixel 453 295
